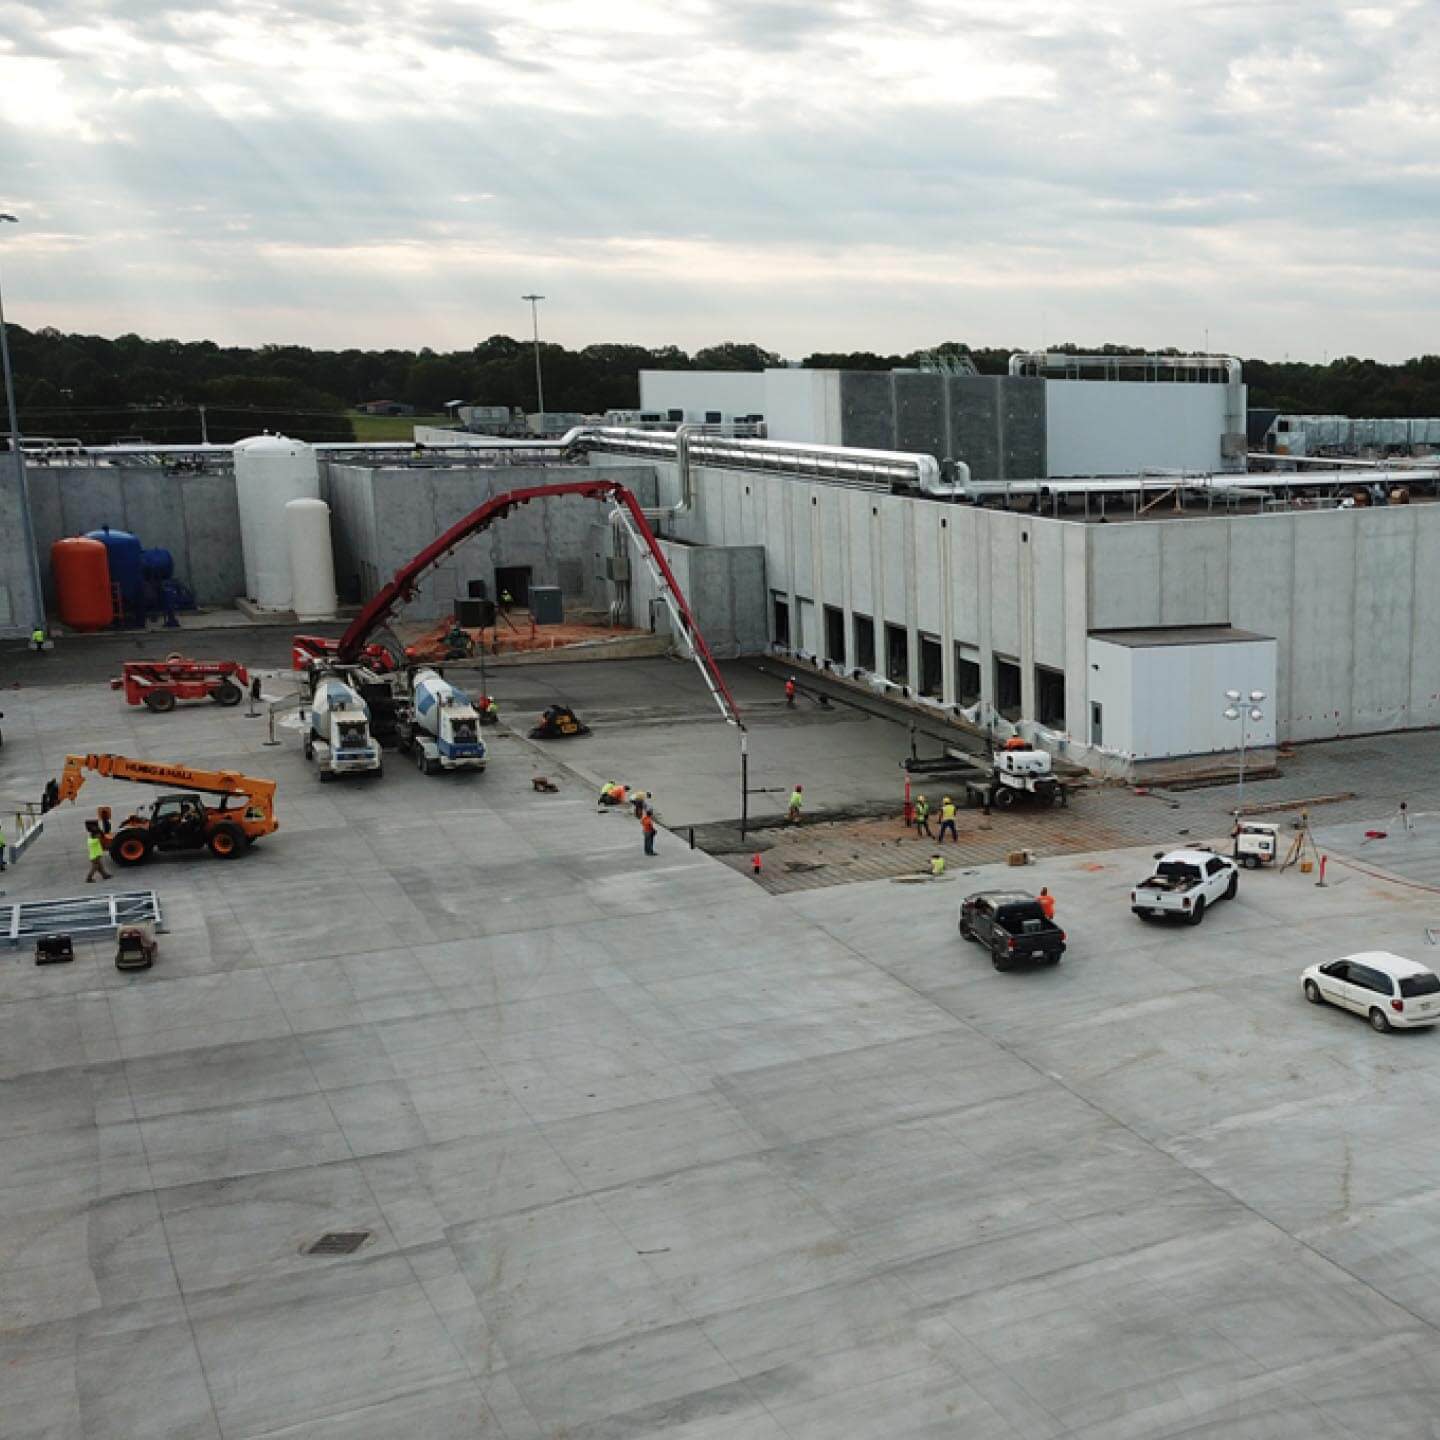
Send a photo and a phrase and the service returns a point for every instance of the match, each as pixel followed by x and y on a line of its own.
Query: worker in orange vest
pixel 790 692
pixel 1047 903
pixel 647 824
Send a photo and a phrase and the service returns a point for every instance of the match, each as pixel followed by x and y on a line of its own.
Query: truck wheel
pixel 1000 962
pixel 420 762
pixel 226 841
pixel 1251 862
pixel 160 701
pixel 226 694
pixel 432 767
pixel 1380 1021
pixel 308 746
pixel 1003 798
pixel 1052 959
pixel 130 847
pixel 1198 913
pixel 1045 798
pixel 966 933
pixel 1233 888
pixel 326 775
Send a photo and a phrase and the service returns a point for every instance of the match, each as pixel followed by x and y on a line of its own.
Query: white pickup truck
pixel 1184 883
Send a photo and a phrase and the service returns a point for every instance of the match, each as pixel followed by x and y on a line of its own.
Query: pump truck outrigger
pixel 182 821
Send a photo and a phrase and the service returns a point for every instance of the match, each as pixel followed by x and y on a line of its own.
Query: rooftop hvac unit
pixel 712 417
pixel 676 415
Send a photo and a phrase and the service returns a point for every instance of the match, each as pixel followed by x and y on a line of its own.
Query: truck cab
pixel 337 736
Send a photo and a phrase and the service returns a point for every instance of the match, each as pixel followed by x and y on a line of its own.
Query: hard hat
pixel 946 801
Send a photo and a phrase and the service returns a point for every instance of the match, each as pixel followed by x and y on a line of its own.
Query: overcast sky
pixel 869 174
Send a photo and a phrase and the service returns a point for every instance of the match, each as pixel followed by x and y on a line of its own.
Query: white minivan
pixel 1389 990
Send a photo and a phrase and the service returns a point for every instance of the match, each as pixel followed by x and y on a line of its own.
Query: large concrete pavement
pixel 645 1151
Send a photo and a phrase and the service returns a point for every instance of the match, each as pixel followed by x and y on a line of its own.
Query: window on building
pixel 864 643
pixel 967 676
pixel 897 655
pixel 835 635
pixel 1007 688
pixel 932 667
pixel 1050 697
pixel 780 611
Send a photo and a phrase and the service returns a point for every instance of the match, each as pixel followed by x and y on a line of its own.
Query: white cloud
pixel 868 173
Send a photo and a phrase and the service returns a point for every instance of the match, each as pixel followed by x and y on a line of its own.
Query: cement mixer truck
pixel 443 729
pixel 337 731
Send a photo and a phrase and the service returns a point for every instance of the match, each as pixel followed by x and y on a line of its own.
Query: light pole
pixel 1243 708
pixel 539 382
pixel 22 484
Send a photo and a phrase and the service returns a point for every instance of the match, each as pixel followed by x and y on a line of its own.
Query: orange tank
pixel 81 569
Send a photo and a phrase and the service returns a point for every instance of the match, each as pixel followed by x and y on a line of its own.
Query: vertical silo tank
pixel 126 570
pixel 271 471
pixel 312 559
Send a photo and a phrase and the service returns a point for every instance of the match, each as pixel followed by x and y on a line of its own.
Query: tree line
pixel 100 390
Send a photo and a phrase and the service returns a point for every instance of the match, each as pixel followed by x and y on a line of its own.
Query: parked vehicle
pixel 1393 993
pixel 444 730
pixel 158 684
pixel 1012 926
pixel 1185 883
pixel 1256 843
pixel 337 735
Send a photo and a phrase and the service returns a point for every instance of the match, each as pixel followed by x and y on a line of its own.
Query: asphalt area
pixel 631 1147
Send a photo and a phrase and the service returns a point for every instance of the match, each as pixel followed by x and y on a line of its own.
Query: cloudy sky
pixel 875 174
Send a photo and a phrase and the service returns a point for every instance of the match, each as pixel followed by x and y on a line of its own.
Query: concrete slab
pixel 643 1150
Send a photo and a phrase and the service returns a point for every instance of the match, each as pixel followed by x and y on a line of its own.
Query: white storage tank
pixel 312 559
pixel 270 471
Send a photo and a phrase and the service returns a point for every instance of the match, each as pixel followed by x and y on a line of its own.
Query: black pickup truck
pixel 1012 926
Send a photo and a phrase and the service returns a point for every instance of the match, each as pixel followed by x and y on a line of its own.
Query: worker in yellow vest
pixel 95 849
pixel 937 866
pixel 797 801
pixel 947 821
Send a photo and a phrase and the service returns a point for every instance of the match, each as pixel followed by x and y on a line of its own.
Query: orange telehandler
pixel 178 822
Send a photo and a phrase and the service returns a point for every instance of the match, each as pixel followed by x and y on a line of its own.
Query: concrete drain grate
pixel 338 1242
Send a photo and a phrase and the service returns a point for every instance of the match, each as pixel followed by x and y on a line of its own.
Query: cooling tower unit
pixel 271 471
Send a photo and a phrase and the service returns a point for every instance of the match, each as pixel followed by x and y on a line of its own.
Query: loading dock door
pixel 515 579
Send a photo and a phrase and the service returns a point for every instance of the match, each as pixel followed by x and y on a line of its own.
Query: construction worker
pixel 922 818
pixel 797 801
pixel 937 866
pixel 647 825
pixel 1047 902
pixel 947 821
pixel 612 793
pixel 790 692
pixel 95 849
pixel 637 801
pixel 506 601
pixel 37 639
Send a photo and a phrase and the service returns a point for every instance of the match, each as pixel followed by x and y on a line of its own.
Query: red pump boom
pixel 402 587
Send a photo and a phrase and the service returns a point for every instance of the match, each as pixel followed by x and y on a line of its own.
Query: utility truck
pixel 443 729
pixel 1185 882
pixel 337 731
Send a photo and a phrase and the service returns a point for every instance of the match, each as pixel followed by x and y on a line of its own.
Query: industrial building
pixel 1104 617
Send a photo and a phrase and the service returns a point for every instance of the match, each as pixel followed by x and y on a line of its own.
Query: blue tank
pixel 157 564
pixel 126 567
